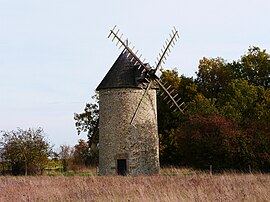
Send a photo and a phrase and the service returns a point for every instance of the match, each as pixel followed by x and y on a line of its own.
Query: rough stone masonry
pixel 124 148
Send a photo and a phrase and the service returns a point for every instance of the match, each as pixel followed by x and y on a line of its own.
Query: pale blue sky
pixel 53 53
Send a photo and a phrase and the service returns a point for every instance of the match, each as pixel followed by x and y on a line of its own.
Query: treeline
pixel 227 116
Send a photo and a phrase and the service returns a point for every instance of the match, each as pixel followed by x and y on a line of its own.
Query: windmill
pixel 128 141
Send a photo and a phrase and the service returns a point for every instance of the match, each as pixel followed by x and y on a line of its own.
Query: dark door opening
pixel 121 166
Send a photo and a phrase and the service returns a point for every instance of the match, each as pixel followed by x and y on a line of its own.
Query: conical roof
pixel 122 74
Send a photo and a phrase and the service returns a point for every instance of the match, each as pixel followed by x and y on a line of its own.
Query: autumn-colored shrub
pixel 205 140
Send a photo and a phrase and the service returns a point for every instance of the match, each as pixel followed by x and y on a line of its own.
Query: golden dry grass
pixel 179 187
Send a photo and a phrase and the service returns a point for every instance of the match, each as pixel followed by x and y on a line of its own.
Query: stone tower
pixel 124 148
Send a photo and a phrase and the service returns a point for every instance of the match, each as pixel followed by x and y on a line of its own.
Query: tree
pixel 167 125
pixel 254 67
pixel 87 122
pixel 27 151
pixel 188 89
pixel 82 155
pixel 65 156
pixel 171 79
pixel 241 101
pixel 202 105
pixel 213 76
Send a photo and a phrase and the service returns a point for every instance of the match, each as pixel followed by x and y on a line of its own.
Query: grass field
pixel 171 185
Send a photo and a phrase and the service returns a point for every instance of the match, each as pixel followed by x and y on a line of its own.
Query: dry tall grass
pixel 194 187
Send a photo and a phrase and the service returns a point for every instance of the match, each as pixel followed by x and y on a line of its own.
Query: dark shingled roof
pixel 122 74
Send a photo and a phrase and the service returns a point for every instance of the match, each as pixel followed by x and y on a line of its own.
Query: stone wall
pixel 118 139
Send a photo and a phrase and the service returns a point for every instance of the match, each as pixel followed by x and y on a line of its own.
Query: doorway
pixel 122 167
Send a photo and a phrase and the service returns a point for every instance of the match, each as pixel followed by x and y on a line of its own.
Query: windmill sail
pixel 167 49
pixel 149 73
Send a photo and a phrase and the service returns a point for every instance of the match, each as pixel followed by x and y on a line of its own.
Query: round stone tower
pixel 125 148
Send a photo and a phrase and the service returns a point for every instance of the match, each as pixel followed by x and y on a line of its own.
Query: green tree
pixel 188 89
pixel 212 76
pixel 202 105
pixel 169 78
pixel 168 119
pixel 242 100
pixel 87 122
pixel 254 67
pixel 27 151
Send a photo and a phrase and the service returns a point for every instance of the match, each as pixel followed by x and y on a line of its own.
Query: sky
pixel 54 53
